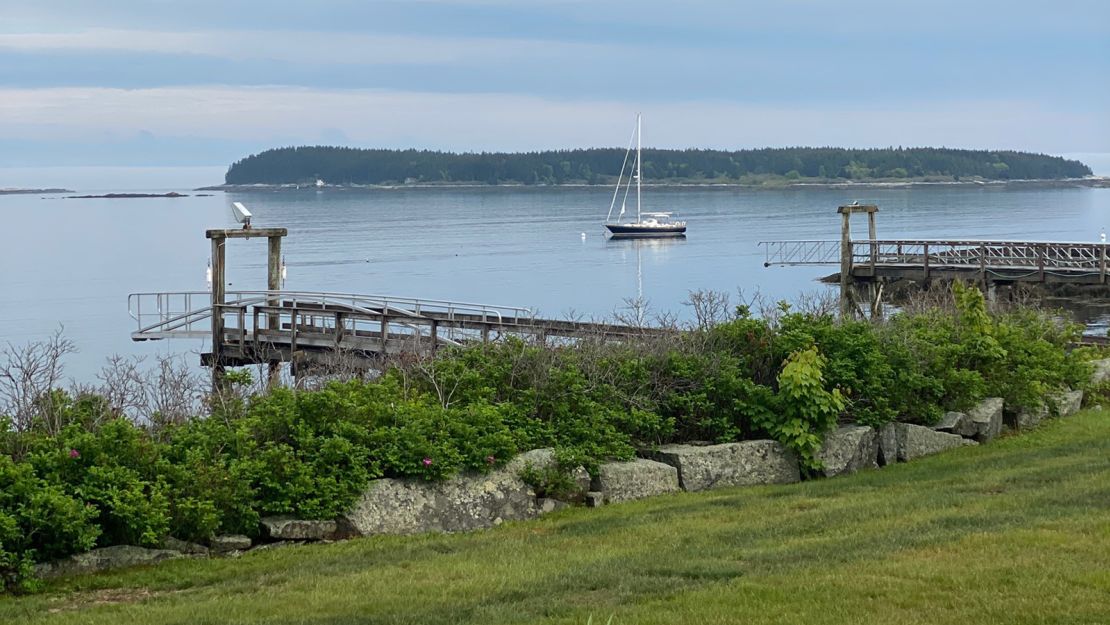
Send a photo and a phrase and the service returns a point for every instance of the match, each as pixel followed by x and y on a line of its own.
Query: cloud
pixel 306 47
pixel 504 74
pixel 500 121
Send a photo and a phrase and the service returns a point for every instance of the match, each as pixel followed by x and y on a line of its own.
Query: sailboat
pixel 653 224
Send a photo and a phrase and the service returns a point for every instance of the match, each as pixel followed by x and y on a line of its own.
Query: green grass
pixel 1009 533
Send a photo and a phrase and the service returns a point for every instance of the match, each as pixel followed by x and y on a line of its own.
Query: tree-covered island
pixel 359 166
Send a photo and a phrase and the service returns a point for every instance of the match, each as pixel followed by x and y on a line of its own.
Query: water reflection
pixel 657 250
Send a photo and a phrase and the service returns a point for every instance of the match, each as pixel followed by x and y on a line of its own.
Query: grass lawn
pixel 1013 532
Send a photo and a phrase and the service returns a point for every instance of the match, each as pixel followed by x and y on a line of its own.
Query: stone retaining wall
pixel 477 501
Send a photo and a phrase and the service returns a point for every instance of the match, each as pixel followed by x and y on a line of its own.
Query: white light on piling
pixel 284 272
pixel 208 276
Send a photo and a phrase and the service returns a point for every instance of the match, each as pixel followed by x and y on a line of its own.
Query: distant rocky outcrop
pixel 32 191
pixel 124 196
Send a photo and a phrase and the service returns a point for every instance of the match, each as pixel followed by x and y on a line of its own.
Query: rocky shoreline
pixel 119 196
pixel 1092 182
pixel 33 191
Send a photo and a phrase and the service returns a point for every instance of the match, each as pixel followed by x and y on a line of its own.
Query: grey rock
pixel 277 545
pixel 730 464
pixel 956 423
pixel 888 444
pixel 904 442
pixel 1101 371
pixel 1026 418
pixel 582 479
pixel 187 548
pixel 1067 403
pixel 639 478
pixel 230 542
pixel 595 499
pixel 985 420
pixel 547 504
pixel 849 449
pixel 105 558
pixel 287 528
pixel 465 502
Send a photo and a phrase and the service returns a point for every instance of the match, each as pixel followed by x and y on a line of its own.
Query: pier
pixel 315 329
pixel 258 327
pixel 872 262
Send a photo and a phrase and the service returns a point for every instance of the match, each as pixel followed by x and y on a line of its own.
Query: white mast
pixel 638 171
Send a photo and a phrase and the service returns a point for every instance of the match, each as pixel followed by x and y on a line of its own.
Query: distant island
pixel 342 166
pixel 32 191
pixel 119 196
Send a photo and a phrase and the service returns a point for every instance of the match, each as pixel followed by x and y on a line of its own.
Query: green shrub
pixel 112 468
pixel 806 409
pixel 854 362
pixel 38 521
pixel 1038 359
pixel 711 397
pixel 87 477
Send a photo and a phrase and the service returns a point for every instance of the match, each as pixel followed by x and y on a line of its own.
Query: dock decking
pixel 258 327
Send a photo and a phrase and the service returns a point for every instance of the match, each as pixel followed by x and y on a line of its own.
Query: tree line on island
pixel 344 165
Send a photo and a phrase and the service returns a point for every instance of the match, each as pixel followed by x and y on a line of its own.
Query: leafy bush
pixel 806 408
pixel 38 521
pixel 854 362
pixel 84 476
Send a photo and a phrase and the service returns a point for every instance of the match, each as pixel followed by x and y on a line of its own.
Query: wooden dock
pixel 984 261
pixel 872 262
pixel 258 327
pixel 317 329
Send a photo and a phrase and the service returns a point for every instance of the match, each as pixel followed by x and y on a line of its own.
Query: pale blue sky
pixel 205 82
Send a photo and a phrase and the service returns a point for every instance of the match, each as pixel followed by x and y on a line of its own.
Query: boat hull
pixel 628 231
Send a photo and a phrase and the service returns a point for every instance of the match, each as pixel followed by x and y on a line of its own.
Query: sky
pixel 205 82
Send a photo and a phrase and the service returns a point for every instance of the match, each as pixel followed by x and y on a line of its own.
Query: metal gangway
pixel 258 327
pixel 990 261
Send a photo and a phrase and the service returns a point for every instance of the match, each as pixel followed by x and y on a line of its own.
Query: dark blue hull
pixel 630 231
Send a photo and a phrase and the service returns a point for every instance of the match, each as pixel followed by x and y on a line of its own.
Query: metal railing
pixel 188 314
pixel 982 254
pixel 801 252
pixel 1048 257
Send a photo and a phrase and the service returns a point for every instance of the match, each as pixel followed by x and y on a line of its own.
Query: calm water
pixel 72 262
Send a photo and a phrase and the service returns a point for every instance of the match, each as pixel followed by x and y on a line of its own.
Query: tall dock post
pixel 846 211
pixel 219 291
pixel 219 282
pixel 273 284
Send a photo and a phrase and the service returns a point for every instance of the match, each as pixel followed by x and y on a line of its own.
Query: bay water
pixel 71 263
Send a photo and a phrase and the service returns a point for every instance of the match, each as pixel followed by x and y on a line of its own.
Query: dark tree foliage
pixel 340 165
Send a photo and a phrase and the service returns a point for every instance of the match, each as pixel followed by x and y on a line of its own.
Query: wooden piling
pixel 273 284
pixel 219 239
pixel 218 289
pixel 846 211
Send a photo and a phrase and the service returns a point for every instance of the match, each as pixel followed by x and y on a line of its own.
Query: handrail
pixel 174 311
pixel 941 252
